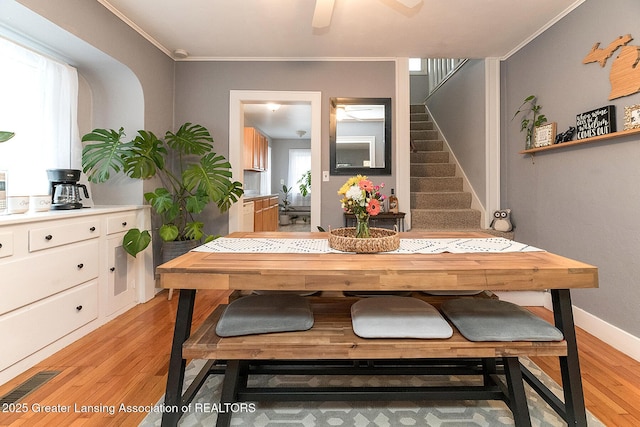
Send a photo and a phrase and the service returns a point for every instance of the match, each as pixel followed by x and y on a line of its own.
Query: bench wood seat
pixel 332 338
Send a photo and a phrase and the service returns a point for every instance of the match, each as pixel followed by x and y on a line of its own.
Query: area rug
pixel 362 414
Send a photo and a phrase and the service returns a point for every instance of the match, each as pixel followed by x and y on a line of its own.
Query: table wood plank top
pixel 380 271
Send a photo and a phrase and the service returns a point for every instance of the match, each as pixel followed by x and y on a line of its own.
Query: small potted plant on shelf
pixel 530 107
pixel 199 177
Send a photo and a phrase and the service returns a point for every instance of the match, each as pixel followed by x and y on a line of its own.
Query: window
pixel 299 164
pixel 416 66
pixel 38 103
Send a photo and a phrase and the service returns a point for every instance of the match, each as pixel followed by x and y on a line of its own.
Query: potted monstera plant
pixel 192 176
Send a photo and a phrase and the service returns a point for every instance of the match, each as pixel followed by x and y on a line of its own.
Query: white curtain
pixel 299 164
pixel 38 103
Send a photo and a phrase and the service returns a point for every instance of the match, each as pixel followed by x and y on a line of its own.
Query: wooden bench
pixel 331 347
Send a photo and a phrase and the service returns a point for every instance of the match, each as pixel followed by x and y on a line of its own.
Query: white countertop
pixel 61 214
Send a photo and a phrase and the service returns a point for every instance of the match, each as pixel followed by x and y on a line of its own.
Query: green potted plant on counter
pixel 199 177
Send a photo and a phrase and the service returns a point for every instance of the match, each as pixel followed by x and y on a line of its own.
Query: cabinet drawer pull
pixel 80 265
pixel 0 245
pixel 112 269
pixel 48 237
pixel 124 224
pixel 92 229
pixel 79 308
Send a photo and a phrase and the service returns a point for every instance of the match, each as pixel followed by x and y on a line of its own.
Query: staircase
pixel 438 201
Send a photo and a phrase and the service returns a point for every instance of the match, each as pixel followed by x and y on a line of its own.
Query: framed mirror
pixel 360 136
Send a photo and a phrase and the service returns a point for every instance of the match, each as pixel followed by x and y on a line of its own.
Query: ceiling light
pixel 273 107
pixel 301 133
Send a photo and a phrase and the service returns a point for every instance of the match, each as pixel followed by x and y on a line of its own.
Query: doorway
pixel 238 100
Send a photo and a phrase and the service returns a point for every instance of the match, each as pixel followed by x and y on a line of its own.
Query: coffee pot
pixel 65 190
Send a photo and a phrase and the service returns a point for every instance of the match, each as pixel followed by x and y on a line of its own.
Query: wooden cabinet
pixel 265 213
pixel 256 149
pixel 64 274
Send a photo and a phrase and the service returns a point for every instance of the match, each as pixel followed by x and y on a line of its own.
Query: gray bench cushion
pixel 480 319
pixel 259 314
pixel 397 317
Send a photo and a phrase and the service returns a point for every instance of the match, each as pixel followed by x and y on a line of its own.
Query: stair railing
pixel 439 70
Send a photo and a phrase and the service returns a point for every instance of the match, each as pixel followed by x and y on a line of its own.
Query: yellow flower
pixel 354 180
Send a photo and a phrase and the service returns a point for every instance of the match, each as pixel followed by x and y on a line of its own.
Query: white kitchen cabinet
pixel 121 284
pixel 62 275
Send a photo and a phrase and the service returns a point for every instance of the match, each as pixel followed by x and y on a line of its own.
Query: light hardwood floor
pixel 126 362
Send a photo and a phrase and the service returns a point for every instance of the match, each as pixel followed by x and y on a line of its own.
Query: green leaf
pixel 168 232
pixel 197 202
pixel 147 156
pixel 162 202
pixel 136 241
pixel 190 139
pixel 106 154
pixel 193 230
pixel 212 176
pixel 5 136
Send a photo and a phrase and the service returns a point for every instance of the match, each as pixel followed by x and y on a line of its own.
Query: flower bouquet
pixel 363 199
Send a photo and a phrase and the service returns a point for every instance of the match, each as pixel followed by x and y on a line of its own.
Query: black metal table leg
pixel 570 364
pixel 175 379
pixel 517 396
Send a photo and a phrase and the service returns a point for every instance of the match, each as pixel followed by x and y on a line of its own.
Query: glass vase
pixel 362 226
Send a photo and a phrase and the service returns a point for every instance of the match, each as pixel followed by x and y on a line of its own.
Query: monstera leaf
pixel 108 154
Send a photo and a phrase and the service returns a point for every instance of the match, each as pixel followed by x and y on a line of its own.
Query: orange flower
pixel 373 207
pixel 366 185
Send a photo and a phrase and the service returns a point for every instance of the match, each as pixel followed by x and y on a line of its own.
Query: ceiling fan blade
pixel 322 13
pixel 409 3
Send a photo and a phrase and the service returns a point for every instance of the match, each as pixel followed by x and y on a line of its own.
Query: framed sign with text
pixel 544 135
pixel 596 122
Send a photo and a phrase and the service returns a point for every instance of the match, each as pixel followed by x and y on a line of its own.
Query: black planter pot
pixel 171 250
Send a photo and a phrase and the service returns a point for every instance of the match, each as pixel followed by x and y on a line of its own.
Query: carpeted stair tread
pixel 441 200
pixel 435 184
pixel 447 219
pixel 432 169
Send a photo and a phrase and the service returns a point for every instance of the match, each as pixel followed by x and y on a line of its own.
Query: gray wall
pixel 202 95
pixel 581 202
pixel 458 108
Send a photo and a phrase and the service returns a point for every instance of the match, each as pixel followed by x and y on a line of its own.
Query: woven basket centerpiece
pixel 381 240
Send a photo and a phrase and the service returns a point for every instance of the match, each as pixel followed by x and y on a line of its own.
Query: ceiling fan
pixel 324 10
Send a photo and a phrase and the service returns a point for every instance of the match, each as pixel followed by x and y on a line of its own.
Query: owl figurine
pixel 502 220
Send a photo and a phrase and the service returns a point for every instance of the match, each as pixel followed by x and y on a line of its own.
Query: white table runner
pixel 407 246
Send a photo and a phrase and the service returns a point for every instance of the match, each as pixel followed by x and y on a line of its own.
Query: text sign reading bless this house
pixel 596 122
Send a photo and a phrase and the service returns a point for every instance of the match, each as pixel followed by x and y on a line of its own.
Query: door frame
pixel 237 100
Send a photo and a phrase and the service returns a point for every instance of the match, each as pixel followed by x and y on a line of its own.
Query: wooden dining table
pixel 506 271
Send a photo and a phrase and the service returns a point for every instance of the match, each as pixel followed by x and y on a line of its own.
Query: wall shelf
pixel 583 141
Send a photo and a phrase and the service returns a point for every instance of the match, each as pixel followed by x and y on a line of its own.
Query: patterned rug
pixel 361 414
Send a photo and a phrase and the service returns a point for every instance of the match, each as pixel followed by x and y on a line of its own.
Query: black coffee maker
pixel 65 190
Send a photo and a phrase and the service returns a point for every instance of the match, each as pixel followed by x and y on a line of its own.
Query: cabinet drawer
pixel 27 330
pixel 6 244
pixel 57 235
pixel 117 224
pixel 38 276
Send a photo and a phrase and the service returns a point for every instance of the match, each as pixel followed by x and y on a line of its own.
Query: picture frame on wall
pixel 632 117
pixel 544 135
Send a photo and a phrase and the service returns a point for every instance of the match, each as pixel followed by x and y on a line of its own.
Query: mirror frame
pixel 386 170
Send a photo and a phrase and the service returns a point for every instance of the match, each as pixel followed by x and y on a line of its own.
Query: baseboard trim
pixel 610 334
